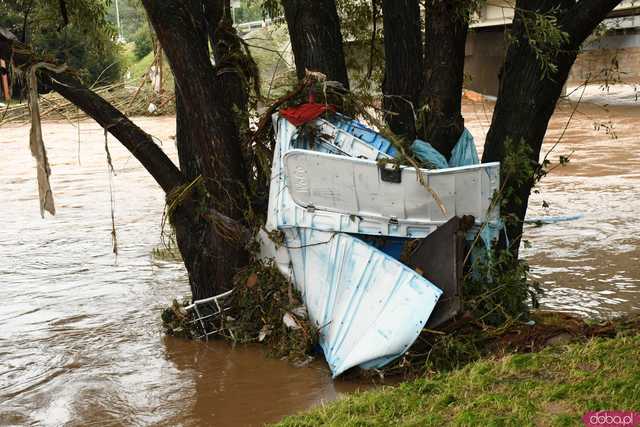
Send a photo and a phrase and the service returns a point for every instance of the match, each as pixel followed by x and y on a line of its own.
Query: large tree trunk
pixel 527 99
pixel 403 65
pixel 316 40
pixel 208 215
pixel 208 138
pixel 446 26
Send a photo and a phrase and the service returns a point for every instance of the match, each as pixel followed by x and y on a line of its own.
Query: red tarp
pixel 304 113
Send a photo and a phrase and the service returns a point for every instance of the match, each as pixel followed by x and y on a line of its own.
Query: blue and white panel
pixel 331 193
pixel 369 307
pixel 350 145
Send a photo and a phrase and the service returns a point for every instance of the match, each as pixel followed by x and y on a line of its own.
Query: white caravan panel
pixel 355 187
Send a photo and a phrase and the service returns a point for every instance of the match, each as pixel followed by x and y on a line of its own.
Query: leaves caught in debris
pixel 262 305
pixel 263 308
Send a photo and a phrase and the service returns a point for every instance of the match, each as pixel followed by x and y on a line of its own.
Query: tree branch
pixel 137 141
pixel 584 16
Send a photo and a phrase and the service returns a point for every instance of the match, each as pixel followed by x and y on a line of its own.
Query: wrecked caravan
pixel 370 245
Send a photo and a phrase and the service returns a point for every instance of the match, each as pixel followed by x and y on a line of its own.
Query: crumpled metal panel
pixel 440 259
pixel 369 308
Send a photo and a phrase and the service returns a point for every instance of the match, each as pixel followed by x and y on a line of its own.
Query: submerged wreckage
pixel 375 248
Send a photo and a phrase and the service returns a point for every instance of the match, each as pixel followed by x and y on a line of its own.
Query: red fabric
pixel 304 113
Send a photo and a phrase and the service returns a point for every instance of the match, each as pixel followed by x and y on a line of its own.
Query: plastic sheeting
pixel 464 153
pixel 428 156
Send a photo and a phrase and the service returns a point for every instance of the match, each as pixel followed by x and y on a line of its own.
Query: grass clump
pixel 553 387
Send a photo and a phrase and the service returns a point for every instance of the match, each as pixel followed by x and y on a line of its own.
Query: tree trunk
pixel 316 40
pixel 446 26
pixel 403 65
pixel 208 218
pixel 208 138
pixel 526 100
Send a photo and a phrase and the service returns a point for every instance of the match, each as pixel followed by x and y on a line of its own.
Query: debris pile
pixel 364 238
pixel 354 216
pixel 263 307
pixel 133 98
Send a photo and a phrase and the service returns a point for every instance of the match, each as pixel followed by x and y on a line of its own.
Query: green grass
pixel 140 67
pixel 553 387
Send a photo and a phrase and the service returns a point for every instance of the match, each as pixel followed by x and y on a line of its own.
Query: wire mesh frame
pixel 215 307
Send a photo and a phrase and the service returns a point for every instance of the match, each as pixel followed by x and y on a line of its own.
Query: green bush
pixel 99 63
pixel 143 42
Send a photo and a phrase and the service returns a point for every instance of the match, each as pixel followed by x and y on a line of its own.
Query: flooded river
pixel 80 338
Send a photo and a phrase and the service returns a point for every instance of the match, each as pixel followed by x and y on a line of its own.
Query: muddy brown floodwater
pixel 80 336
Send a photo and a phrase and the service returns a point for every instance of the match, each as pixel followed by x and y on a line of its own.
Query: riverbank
pixel 555 386
pixel 81 336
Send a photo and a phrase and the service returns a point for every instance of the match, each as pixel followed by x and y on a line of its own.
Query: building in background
pixel 618 51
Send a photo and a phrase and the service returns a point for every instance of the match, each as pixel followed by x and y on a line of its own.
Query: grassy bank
pixel 553 387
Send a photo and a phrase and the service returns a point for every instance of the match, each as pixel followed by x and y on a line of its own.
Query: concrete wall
pixel 484 55
pixel 485 52
pixel 616 57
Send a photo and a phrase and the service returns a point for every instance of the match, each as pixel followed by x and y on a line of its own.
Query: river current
pixel 80 335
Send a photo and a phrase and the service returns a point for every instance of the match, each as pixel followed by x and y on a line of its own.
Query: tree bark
pixel 526 100
pixel 446 26
pixel 403 71
pixel 210 142
pixel 316 40
pixel 211 242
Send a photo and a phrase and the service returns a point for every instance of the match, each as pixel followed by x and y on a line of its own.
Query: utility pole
pixel 120 38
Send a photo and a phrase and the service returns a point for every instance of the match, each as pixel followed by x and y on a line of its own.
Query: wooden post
pixel 5 82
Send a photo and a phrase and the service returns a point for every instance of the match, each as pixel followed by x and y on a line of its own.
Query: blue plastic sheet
pixel 464 153
pixel 428 155
pixel 481 253
pixel 392 246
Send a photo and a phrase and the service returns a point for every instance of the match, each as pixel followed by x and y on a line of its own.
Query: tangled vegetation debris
pixel 466 340
pixel 120 94
pixel 178 322
pixel 264 307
